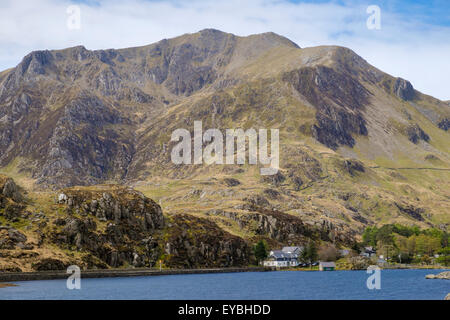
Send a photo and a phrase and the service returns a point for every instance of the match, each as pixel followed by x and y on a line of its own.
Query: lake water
pixel 395 284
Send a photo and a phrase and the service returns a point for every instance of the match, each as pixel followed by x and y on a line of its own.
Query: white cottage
pixel 286 257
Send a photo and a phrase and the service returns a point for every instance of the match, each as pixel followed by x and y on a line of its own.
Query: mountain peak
pixel 275 37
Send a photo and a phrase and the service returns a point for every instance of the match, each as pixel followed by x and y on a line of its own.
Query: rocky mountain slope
pixel 357 146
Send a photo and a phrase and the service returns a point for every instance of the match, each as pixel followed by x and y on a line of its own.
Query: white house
pixel 286 257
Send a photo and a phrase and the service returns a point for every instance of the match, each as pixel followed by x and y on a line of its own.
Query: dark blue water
pixel 395 284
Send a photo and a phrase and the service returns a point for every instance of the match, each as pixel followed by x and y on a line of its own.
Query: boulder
pixel 10 190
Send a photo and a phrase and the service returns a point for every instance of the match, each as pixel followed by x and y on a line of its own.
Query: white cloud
pixel 403 48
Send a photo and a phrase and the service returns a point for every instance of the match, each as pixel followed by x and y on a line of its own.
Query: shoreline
pixel 115 273
pixel 6 277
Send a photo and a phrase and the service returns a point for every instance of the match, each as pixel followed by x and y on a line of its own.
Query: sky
pixel 412 41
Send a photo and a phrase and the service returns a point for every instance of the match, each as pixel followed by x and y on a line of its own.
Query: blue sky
pixel 413 41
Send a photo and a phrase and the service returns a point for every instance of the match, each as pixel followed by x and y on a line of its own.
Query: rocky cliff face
pixel 339 100
pixel 192 242
pixel 129 220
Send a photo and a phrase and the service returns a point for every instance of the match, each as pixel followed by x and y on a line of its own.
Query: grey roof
pixel 279 254
pixel 292 249
pixel 327 264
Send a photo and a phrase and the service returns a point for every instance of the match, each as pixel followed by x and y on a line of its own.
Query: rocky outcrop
pixel 9 269
pixel 49 264
pixel 281 227
pixel 353 167
pixel 196 242
pixel 11 199
pixel 114 203
pixel 443 275
pixel 444 124
pixel 9 189
pixel 231 182
pixel 132 221
pixel 276 179
pixel 415 133
pixel 403 89
pixel 11 238
pixel 410 210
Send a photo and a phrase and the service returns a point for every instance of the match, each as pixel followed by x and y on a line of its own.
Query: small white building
pixel 286 257
pixel 327 266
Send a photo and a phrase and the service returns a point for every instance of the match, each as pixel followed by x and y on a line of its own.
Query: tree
pixel 260 251
pixel 309 254
pixel 370 236
pixel 385 235
pixel 444 256
pixel 425 259
pixel 387 250
pixel 427 244
pixel 402 257
pixel 328 253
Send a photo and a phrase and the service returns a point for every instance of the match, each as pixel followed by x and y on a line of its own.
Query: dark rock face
pixel 271 193
pixel 10 269
pixel 338 99
pixel 189 66
pixel 196 242
pixel 353 166
pixel 77 150
pixel 256 202
pixel 133 220
pixel 49 264
pixel 10 198
pixel 415 133
pixel 403 89
pixel 231 182
pixel 415 213
pixel 184 77
pixel 444 124
pixel 275 179
pixel 10 238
